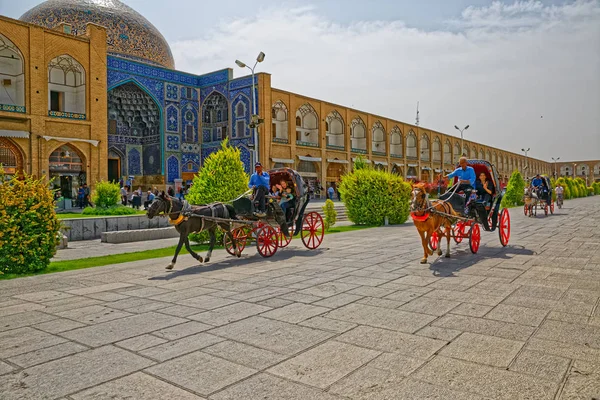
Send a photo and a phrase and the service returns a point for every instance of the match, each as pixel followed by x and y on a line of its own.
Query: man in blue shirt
pixel 465 174
pixel 537 181
pixel 260 182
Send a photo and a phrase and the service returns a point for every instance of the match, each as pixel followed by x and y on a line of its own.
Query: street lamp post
pixel 526 159
pixel 555 172
pixel 254 121
pixel 462 148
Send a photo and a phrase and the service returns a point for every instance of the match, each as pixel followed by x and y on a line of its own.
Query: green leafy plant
pixel 221 178
pixel 106 194
pixel 114 210
pixel 29 227
pixel 330 214
pixel 514 191
pixel 370 196
pixel 361 163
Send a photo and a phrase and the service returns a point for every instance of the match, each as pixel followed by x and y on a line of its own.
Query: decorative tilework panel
pixel 134 162
pixel 152 164
pixel 172 118
pixel 171 92
pixel 172 143
pixel 172 169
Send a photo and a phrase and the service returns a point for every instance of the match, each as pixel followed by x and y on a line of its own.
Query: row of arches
pixel 66 82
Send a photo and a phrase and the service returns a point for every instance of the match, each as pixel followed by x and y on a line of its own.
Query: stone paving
pixel 359 318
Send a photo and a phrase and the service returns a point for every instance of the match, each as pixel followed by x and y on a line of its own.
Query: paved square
pixel 359 318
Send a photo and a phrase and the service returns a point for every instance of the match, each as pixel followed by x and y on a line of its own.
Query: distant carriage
pixel 542 199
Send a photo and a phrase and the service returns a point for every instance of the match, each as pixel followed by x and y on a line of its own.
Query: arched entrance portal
pixel 308 171
pixel 335 170
pixel 67 169
pixel 133 132
pixel 11 158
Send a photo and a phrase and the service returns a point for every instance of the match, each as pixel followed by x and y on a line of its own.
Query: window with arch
pixel 447 152
pixel 307 126
pixel 241 105
pixel 11 158
pixel 411 145
pixel 358 134
pixel 481 154
pixel 240 110
pixel 495 160
pixel 466 151
pixel 66 88
pixel 437 150
pixel 457 152
pixel 396 142
pixel 12 76
pixel 307 166
pixel 378 138
pixel 334 126
pixel 425 148
pixel 67 167
pixel 489 156
pixel 215 117
pixel 279 120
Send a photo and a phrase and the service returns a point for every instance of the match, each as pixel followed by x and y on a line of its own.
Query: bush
pixel 514 191
pixel 114 210
pixel 370 196
pixel 590 191
pixel 106 194
pixel 28 225
pixel 222 178
pixel 330 214
pixel 596 186
pixel 361 163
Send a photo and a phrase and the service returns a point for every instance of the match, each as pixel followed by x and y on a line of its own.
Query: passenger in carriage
pixel 485 189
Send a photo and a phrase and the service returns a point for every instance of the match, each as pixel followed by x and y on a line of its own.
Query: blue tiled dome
pixel 129 34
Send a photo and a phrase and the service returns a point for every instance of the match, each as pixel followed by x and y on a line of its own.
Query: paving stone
pixel 260 294
pixel 540 291
pixel 294 313
pixel 274 302
pixel 15 321
pixel 106 296
pixel 41 297
pixel 71 374
pixel 464 297
pixel 58 325
pixel 240 353
pixel 585 335
pixel 272 388
pixel 206 302
pixel 517 315
pixel 182 330
pixel 484 380
pixel 381 317
pixel 391 341
pixel 338 300
pixel 19 308
pixel 379 302
pixel 100 288
pixel 371 291
pixel 93 314
pixel 120 329
pixel 5 368
pixel 415 280
pixel 426 305
pixel 141 342
pixel 530 302
pixel 179 311
pixel 328 324
pixel 403 296
pixel 574 307
pixel 483 349
pixel 200 372
pixel 566 350
pixel 583 381
pixel 545 366
pixel 58 306
pixel 485 327
pixel 363 280
pixel 328 289
pixel 436 332
pixel 24 340
pixel 47 354
pixel 279 337
pixel 325 364
pixel 228 314
pixel 136 386
pixel 176 348
pixel 146 292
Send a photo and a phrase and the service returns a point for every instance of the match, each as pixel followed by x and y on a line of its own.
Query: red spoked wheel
pixel 240 235
pixel 267 241
pixel 504 227
pixel 474 238
pixel 285 241
pixel 459 232
pixel 552 207
pixel 434 241
pixel 313 230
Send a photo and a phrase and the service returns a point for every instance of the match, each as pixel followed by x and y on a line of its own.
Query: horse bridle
pixel 425 200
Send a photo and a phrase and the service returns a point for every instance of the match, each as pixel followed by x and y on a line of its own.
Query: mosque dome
pixel 129 34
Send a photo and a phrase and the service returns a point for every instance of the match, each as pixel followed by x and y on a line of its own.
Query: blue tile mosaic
pixel 134 162
pixel 172 169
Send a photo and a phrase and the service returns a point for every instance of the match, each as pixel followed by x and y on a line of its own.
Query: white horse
pixel 531 198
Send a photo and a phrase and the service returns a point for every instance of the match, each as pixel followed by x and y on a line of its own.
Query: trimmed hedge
pixel 514 191
pixel 114 210
pixel 28 225
pixel 370 196
pixel 330 214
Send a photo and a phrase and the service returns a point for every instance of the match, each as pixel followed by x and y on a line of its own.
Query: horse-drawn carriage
pixel 267 231
pixel 470 214
pixel 540 197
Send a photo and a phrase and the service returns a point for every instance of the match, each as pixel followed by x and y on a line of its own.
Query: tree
pixel 221 178
pixel 29 227
pixel 514 191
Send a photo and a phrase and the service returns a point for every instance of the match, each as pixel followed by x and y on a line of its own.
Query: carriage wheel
pixel 313 230
pixel 284 241
pixel 240 235
pixel 458 232
pixel 434 241
pixel 267 240
pixel 474 238
pixel 504 227
pixel 552 207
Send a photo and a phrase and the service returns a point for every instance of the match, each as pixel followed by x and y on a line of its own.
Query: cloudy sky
pixel 521 74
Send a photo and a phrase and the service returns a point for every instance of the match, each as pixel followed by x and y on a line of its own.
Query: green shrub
pixel 106 194
pixel 29 227
pixel 596 186
pixel 361 163
pixel 370 196
pixel 590 191
pixel 330 214
pixel 514 191
pixel 114 210
pixel 221 178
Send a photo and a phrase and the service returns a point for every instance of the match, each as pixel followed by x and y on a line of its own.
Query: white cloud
pixel 498 68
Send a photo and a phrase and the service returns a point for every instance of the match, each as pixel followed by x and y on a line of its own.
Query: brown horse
pixel 428 222
pixel 188 219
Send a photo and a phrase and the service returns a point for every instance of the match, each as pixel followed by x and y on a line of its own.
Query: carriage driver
pixel 465 174
pixel 260 181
